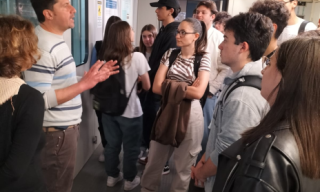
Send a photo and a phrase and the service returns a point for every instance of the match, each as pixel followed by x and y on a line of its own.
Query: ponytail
pixel 201 42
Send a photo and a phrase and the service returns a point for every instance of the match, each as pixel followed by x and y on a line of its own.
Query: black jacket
pixel 21 141
pixel 165 40
pixel 270 164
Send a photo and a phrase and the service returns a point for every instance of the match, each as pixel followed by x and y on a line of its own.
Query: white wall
pixel 238 6
pixel 183 5
pixel 89 124
pixel 312 15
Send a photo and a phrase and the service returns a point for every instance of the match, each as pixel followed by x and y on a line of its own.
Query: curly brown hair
pixel 222 17
pixel 18 45
pixel 275 10
pixel 313 33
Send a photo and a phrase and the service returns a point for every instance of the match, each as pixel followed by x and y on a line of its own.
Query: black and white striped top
pixel 182 69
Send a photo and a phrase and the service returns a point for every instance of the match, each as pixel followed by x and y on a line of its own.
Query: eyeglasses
pixel 266 59
pixel 183 33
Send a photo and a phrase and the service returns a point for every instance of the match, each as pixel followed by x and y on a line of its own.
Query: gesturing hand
pixel 99 72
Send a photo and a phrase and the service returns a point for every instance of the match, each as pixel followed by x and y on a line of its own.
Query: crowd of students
pixel 233 100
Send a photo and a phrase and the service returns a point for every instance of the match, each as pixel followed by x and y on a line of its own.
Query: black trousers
pixel 150 108
pixel 103 139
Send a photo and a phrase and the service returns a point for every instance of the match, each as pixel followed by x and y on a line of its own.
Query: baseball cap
pixel 169 3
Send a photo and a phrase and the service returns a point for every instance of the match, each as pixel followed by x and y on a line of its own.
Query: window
pixel 79 34
pixel 18 7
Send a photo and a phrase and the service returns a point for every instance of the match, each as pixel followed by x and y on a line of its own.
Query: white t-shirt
pixel 136 67
pixel 291 31
pixel 148 55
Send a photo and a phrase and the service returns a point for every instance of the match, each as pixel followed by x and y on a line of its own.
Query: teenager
pixel 243 107
pixel 206 12
pixel 281 153
pixel 295 23
pixel 192 40
pixel 279 16
pixel 94 57
pixel 166 11
pixel 220 20
pixel 124 129
pixel 147 37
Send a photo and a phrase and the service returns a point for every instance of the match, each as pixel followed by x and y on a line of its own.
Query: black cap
pixel 169 3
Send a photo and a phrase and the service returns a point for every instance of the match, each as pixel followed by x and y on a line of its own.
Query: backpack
pixel 249 81
pixel 196 66
pixel 110 96
pixel 302 27
pixel 98 46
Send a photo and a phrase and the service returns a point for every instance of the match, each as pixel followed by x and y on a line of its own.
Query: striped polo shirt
pixel 55 70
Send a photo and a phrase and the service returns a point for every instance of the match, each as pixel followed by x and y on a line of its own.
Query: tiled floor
pixel 92 178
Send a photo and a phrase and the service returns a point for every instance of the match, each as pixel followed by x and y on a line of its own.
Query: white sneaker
pixel 129 185
pixel 101 158
pixel 111 181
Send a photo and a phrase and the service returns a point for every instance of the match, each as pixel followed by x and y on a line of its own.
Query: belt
pixel 52 129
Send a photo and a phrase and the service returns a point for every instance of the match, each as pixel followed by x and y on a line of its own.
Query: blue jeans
pixel 120 130
pixel 207 116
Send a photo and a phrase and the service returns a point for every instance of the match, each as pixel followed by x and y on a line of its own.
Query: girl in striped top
pixel 192 39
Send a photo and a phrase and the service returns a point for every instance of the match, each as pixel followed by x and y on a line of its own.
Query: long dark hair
pixel 142 48
pixel 118 46
pixel 201 28
pixel 297 101
pixel 110 21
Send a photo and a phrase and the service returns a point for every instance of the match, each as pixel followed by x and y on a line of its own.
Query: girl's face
pixel 147 38
pixel 186 35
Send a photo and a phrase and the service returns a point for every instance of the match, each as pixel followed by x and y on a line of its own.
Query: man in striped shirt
pixel 54 76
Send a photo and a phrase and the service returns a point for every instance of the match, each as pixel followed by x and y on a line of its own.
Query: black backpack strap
pixel 303 26
pixel 250 81
pixel 173 56
pixel 132 89
pixel 98 46
pixel 196 64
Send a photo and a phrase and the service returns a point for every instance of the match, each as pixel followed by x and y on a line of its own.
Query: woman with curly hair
pixel 21 109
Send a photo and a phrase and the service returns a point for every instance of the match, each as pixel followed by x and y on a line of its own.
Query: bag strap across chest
pixel 196 65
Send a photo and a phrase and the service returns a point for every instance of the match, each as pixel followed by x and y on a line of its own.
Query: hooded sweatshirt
pixel 165 40
pixel 242 110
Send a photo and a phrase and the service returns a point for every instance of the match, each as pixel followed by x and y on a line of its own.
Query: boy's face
pixel 163 13
pixel 229 50
pixel 290 5
pixel 204 14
